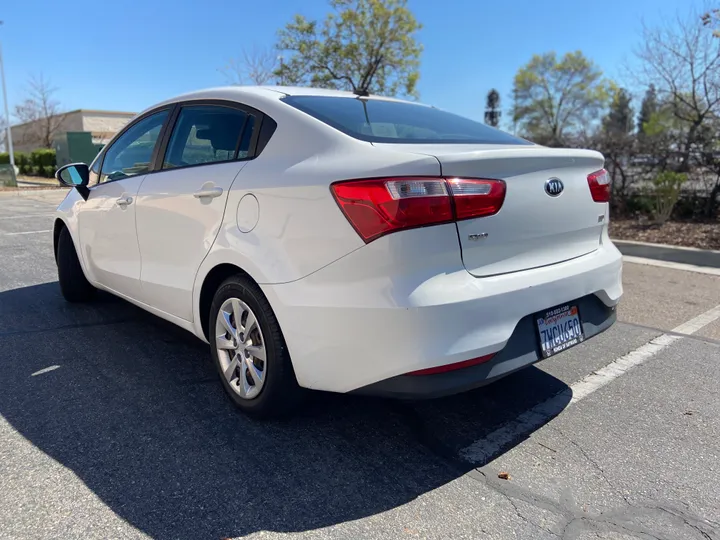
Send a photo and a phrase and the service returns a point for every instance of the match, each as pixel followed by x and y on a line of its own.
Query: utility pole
pixel 13 181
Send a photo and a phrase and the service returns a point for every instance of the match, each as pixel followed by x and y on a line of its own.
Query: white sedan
pixel 324 240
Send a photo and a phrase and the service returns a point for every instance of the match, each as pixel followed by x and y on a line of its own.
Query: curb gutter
pixel 673 254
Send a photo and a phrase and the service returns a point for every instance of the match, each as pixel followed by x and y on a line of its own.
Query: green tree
pixel 492 108
pixel 619 121
pixel 362 45
pixel 648 107
pixel 555 98
pixel 617 142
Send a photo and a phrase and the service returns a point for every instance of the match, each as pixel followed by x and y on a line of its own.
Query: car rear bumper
pixel 390 308
pixel 521 350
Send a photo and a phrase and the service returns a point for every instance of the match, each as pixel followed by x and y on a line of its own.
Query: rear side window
pixel 398 122
pixel 208 134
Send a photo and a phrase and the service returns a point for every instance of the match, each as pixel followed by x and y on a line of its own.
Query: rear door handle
pixel 122 202
pixel 210 192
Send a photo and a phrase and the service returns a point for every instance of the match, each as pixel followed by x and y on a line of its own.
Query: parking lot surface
pixel 113 425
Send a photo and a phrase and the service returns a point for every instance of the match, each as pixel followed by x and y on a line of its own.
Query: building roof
pixel 83 111
pixel 99 111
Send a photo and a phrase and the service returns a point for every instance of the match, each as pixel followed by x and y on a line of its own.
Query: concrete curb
pixel 673 254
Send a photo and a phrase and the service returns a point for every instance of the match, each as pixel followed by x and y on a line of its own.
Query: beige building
pixel 103 125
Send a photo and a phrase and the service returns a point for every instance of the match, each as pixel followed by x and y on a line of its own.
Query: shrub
pixel 49 171
pixel 20 158
pixel 25 169
pixel 639 203
pixel 43 157
pixel 666 191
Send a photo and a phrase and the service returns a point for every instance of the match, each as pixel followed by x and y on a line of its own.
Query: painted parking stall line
pixel 23 216
pixel 485 449
pixel 25 232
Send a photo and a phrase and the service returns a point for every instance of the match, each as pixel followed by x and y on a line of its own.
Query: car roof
pixel 240 93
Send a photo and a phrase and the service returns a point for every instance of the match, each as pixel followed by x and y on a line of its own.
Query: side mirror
pixel 75 175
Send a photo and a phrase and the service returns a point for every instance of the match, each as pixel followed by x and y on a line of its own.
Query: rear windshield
pixel 398 122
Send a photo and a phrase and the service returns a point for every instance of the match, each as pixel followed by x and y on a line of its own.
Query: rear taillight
pixel 599 183
pixel 384 205
pixel 476 198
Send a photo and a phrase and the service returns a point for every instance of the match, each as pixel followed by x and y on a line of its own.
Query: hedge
pixel 43 157
pixel 20 157
pixel 36 162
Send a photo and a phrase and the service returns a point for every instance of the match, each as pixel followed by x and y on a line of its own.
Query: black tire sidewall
pixel 73 284
pixel 280 382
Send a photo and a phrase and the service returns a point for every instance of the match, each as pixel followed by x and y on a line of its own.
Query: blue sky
pixel 127 55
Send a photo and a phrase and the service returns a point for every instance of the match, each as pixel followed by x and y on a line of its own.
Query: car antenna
pixel 361 93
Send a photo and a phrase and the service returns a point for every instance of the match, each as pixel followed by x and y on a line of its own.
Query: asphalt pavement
pixel 113 425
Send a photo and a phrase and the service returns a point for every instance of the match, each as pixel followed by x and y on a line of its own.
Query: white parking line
pixel 483 450
pixel 25 232
pixel 675 266
pixel 45 370
pixel 21 216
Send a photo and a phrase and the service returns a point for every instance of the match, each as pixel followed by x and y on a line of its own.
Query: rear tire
pixel 251 357
pixel 73 284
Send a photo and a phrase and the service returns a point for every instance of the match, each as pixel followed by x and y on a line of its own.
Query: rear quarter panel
pixel 300 228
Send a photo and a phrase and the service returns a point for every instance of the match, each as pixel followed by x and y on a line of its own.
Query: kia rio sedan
pixel 323 240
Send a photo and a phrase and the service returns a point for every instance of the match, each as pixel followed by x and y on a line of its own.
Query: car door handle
pixel 211 193
pixel 122 202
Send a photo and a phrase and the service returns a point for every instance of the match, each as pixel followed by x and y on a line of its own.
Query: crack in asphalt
pixel 592 461
pixel 526 519
pixel 62 327
pixel 618 520
pixel 576 520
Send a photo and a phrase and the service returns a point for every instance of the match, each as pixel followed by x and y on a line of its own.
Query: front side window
pixel 131 154
pixel 206 134
pixel 383 121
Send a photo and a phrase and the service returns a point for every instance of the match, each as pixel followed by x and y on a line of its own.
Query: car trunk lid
pixel 548 215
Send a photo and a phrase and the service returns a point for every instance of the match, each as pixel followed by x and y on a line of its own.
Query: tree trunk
pixel 710 203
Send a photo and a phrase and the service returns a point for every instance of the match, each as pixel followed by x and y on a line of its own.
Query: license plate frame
pixel 562 311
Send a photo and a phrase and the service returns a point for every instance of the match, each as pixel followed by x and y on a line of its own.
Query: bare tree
pixel 41 111
pixel 682 61
pixel 255 66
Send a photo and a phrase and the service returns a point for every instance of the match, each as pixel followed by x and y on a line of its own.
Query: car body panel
pixel 175 230
pixel 107 236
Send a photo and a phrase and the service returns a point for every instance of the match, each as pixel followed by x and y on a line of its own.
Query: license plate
pixel 559 329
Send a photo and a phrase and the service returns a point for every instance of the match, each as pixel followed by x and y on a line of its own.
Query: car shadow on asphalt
pixel 135 410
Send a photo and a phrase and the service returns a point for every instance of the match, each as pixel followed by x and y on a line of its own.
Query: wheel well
pixel 57 229
pixel 211 284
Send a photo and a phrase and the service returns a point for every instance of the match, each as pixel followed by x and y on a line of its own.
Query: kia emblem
pixel 554 187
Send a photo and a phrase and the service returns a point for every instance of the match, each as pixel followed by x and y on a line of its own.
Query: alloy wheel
pixel 240 348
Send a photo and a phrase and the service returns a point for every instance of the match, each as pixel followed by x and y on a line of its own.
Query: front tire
pixel 249 351
pixel 73 284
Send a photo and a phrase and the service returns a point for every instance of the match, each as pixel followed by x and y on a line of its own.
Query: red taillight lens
pixel 383 205
pixel 599 183
pixel 476 198
pixel 453 367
